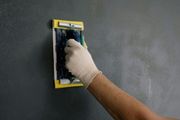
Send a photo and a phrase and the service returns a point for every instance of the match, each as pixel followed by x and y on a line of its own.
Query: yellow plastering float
pixel 62 31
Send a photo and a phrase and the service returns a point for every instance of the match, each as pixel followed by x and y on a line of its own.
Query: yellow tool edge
pixel 59 85
pixel 56 23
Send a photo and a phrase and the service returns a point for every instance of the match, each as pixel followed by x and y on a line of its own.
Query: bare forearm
pixel 117 102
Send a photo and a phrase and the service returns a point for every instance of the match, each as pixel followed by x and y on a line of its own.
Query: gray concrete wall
pixel 134 42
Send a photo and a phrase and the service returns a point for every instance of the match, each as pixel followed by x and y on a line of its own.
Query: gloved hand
pixel 80 63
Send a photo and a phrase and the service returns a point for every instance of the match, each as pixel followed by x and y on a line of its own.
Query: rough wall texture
pixel 135 43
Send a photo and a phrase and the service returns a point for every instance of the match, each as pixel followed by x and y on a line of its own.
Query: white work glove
pixel 80 63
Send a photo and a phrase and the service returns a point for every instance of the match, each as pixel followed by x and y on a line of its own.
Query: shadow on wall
pixel 63 104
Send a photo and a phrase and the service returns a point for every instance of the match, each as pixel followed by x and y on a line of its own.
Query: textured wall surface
pixel 134 42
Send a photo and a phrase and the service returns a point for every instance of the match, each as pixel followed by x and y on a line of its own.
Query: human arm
pixel 117 102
